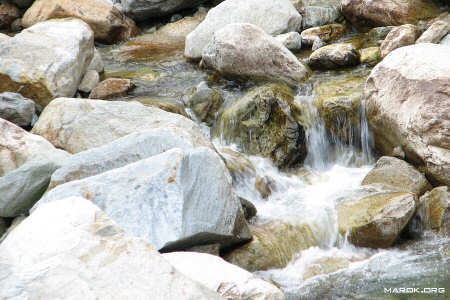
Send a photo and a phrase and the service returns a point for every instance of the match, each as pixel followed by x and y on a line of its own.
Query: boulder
pixel 141 10
pixel 434 33
pixel 326 33
pixel 47 60
pixel 434 210
pixel 16 109
pixel 370 56
pixel 238 164
pixel 263 123
pixel 399 37
pixel 111 88
pixel 334 56
pixel 86 256
pixel 17 146
pixel 291 40
pixel 368 13
pixel 76 125
pixel 89 82
pixel 273 17
pixel 97 62
pixel 175 200
pixel 125 150
pixel 319 12
pixel 407 97
pixel 205 103
pixel 8 14
pixel 244 50
pixel 249 208
pixel 218 275
pixel 108 23
pixel 376 221
pixel 397 175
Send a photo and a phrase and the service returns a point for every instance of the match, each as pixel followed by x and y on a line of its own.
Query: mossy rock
pixel 265 122
pixel 146 74
pixel 370 56
pixel 434 209
pixel 205 102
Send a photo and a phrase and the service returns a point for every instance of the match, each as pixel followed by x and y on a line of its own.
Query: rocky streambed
pixel 224 149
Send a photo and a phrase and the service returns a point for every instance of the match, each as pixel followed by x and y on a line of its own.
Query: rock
pixel 370 56
pixel 205 103
pixel 17 146
pixel 90 81
pixel 274 244
pixel 86 255
pixel 228 280
pixel 325 265
pixel 367 13
pixel 94 123
pixel 97 62
pixel 245 50
pixel 434 210
pixel 16 109
pixel 291 40
pixel 407 97
pixel 399 37
pixel 23 187
pixel 111 88
pixel 434 33
pixel 273 17
pixel 23 3
pixel 4 37
pixel 237 163
pixel 46 60
pixel 264 185
pixel 326 33
pixel 203 208
pixel 320 12
pixel 379 33
pixel 248 208
pixel 334 56
pixel 141 10
pixel 263 122
pixel 397 175
pixel 445 41
pixel 108 23
pixel 377 220
pixel 125 150
pixel 8 14
pixel 16 25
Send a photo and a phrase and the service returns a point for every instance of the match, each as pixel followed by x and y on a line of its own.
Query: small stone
pixel 399 37
pixel 334 56
pixel 16 109
pixel 112 88
pixel 434 33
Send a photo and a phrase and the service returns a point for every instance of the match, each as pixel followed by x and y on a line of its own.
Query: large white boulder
pixel 47 60
pixel 69 249
pixel 274 17
pixel 175 200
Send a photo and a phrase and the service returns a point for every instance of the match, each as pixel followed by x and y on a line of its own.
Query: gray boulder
pixel 244 50
pixel 320 12
pixel 291 40
pixel 16 109
pixel 445 41
pixel 141 10
pixel 273 17
pixel 175 200
pixel 334 56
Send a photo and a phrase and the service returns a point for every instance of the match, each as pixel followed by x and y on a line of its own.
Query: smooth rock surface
pixel 16 109
pixel 398 37
pixel 175 200
pixel 86 256
pixel 205 103
pixel 434 33
pixel 76 125
pixel 326 33
pixel 334 56
pixel 47 60
pixel 218 275
pixel 8 13
pixel 111 88
pixel 407 96
pixel 244 50
pixel 273 17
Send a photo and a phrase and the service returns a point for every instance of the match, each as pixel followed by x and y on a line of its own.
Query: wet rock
pixel 326 33
pixel 263 122
pixel 319 12
pixel 16 109
pixel 205 102
pixel 397 175
pixel 97 62
pixel 434 210
pixel 125 150
pixel 203 208
pixel 379 33
pixel 264 185
pixel 273 17
pixel 366 13
pixel 111 88
pixel 376 221
pixel 291 40
pixel 23 3
pixel 95 122
pixel 245 50
pixel 237 163
pixel 46 60
pixel 399 37
pixel 108 23
pixel 273 245
pixel 108 263
pixel 248 208
pixel 407 96
pixel 370 56
pixel 325 265
pixel 228 280
pixel 89 82
pixel 142 10
pixel 434 33
pixel 8 14
pixel 334 56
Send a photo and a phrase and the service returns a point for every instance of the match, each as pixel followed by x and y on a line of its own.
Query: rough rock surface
pixel 86 256
pixel 112 88
pixel 401 36
pixel 334 56
pixel 175 200
pixel 273 17
pixel 16 109
pixel 47 60
pixel 244 50
pixel 407 106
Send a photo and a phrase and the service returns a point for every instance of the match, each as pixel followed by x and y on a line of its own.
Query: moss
pixel 169 105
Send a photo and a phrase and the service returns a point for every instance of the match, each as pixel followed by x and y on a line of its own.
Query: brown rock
pixel 334 56
pixel 112 88
pixel 326 33
pixel 435 32
pixel 399 37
